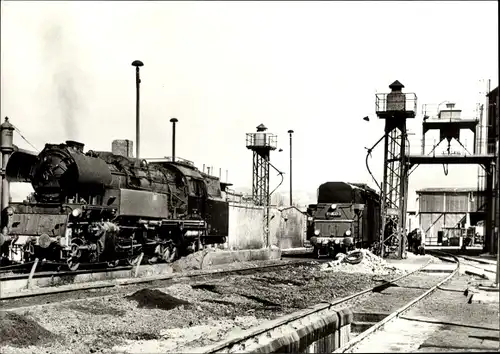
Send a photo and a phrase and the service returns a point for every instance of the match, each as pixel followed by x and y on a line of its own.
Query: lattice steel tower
pixel 261 143
pixel 395 107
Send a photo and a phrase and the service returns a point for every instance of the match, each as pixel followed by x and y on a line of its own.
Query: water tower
pixel 261 143
pixel 395 108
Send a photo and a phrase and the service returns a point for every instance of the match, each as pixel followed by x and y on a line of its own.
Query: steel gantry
pixel 395 107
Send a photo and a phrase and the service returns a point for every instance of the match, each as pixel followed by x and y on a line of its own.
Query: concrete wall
pixel 246 227
pixel 288 228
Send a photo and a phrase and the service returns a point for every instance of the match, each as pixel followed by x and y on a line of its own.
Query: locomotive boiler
pixel 103 207
pixel 347 215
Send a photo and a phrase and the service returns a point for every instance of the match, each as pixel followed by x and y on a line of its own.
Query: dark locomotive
pixel 346 216
pixel 103 207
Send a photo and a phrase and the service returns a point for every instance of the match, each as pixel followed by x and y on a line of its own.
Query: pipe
pixel 173 121
pixel 137 64
pixel 290 132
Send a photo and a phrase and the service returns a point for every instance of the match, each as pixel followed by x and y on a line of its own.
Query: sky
pixel 222 68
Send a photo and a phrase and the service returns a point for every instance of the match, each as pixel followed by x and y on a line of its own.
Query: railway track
pixel 75 292
pixel 471 266
pixel 250 339
pixel 375 320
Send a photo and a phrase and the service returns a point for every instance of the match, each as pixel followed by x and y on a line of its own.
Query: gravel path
pixel 190 315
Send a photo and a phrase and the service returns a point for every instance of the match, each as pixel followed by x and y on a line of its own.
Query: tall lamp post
pixel 290 132
pixel 137 64
pixel 173 121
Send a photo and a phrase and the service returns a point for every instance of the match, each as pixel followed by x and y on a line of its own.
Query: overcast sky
pixel 222 68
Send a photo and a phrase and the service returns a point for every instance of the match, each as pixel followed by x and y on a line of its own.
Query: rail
pixel 364 335
pixel 130 281
pixel 226 345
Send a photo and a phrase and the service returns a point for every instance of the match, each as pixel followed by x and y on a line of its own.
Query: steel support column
pixel 394 188
pixel 260 188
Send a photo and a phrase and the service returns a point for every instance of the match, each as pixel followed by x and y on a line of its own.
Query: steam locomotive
pixel 347 215
pixel 103 207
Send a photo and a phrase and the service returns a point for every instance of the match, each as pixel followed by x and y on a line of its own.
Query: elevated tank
pixel 6 136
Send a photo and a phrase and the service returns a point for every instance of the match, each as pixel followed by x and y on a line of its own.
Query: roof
pixel 493 92
pixel 448 190
pixel 396 85
pixel 342 192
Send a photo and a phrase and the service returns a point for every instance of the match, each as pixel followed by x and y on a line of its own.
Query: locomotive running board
pixel 185 224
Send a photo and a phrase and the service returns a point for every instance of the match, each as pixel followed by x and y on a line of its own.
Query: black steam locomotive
pixel 346 216
pixel 106 208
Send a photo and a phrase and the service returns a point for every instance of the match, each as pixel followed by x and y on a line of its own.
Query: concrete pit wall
pixel 322 331
pixel 246 227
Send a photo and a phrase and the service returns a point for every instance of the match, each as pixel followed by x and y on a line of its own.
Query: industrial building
pixel 447 215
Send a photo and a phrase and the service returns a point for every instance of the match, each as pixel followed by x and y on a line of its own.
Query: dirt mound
pixel 20 331
pixel 155 299
pixel 369 263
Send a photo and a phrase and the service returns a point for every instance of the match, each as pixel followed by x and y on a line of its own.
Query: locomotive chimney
pixel 122 147
pixel 137 64
pixel 173 121
pixel 75 145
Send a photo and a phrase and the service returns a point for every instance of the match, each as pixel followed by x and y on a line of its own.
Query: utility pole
pixel 290 132
pixel 137 64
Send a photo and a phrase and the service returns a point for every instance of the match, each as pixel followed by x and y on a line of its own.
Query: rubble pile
pixel 153 298
pixel 192 261
pixel 21 331
pixel 369 264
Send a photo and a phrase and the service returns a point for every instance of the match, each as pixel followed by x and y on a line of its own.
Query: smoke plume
pixel 63 71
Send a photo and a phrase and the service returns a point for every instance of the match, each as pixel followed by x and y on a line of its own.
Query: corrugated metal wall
pixel 457 203
pixel 439 211
pixel 430 203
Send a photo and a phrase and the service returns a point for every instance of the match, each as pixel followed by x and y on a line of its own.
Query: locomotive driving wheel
pixel 133 260
pixel 113 263
pixel 29 252
pixel 169 253
pixel 74 257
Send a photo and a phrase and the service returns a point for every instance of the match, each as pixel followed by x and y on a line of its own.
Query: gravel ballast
pixel 183 316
